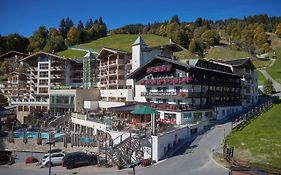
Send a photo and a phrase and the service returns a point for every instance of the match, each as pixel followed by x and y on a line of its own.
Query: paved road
pixel 276 85
pixel 193 160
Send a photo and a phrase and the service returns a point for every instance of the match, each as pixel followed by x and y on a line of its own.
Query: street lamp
pixel 50 143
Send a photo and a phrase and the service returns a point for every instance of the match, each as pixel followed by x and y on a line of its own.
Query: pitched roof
pixel 141 71
pixel 13 52
pixel 107 50
pixel 240 62
pixel 43 53
pixel 139 41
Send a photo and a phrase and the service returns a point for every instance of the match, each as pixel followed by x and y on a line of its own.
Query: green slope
pixel 259 142
pixel 124 42
pixel 275 70
pixel 69 53
pixel 225 53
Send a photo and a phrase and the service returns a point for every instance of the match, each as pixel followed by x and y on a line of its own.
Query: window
pixel 44 66
pixel 43 74
pixel 43 82
pixel 26 108
pixel 20 108
pixel 148 100
pixel 43 90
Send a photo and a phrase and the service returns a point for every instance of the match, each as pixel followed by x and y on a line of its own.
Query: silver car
pixel 56 159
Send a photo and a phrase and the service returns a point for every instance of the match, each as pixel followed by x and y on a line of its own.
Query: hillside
pixel 225 53
pixel 122 42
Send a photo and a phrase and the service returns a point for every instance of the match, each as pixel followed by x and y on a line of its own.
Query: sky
pixel 25 16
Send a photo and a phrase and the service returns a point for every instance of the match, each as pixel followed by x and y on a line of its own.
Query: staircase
pixel 120 154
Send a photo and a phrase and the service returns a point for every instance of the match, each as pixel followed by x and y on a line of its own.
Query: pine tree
pixel 62 28
pixel 80 26
pixel 268 87
pixel 89 24
pixel 192 46
pixel 68 24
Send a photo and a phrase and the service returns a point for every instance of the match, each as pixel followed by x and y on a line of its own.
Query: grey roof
pixel 139 41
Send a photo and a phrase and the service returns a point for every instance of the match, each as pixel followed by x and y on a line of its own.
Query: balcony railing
pixel 159 69
pixel 171 107
pixel 167 81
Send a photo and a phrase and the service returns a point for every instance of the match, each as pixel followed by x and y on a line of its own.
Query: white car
pixel 56 159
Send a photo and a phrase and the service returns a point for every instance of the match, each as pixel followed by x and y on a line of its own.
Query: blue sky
pixel 25 16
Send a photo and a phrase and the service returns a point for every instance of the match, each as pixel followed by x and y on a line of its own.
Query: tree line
pixel 55 39
pixel 248 34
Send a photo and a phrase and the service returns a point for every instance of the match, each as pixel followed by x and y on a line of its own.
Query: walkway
pixel 276 85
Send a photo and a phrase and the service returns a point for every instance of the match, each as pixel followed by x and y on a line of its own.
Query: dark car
pixel 77 159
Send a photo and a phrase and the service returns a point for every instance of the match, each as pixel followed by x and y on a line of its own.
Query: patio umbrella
pixel 144 111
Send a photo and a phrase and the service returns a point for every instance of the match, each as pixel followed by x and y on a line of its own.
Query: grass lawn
pixel 261 63
pixel 275 70
pixel 260 141
pixel 69 53
pixel 275 41
pixel 261 78
pixel 225 53
pixel 124 42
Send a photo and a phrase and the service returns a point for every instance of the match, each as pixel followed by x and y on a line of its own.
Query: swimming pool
pixel 34 135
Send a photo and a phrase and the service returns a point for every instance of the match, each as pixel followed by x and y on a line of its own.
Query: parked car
pixel 56 159
pixel 54 151
pixel 77 159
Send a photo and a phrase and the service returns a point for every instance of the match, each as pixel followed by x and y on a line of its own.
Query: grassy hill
pixel 259 141
pixel 275 70
pixel 69 53
pixel 225 53
pixel 123 42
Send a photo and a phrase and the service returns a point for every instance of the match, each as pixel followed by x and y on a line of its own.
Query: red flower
pixel 184 80
pixel 190 79
pixel 173 107
pixel 157 69
pixel 176 80
pixel 153 105
pixel 160 81
pixel 168 81
pixel 163 106
pixel 182 94
pixel 163 68
pixel 147 82
pixel 149 70
pixel 153 82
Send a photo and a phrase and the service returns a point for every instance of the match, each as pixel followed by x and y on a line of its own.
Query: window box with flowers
pixel 190 79
pixel 153 82
pixel 163 68
pixel 168 80
pixel 153 105
pixel 160 81
pixel 162 106
pixel 185 80
pixel 147 82
pixel 157 69
pixel 176 80
pixel 149 70
pixel 173 107
pixel 182 94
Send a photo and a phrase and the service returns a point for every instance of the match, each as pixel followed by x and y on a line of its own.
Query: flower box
pixel 173 107
pixel 168 81
pixel 147 82
pixel 176 80
pixel 149 70
pixel 163 106
pixel 157 69
pixel 184 80
pixel 160 81
pixel 163 68
pixel 153 105
pixel 182 94
pixel 153 82
pixel 190 79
